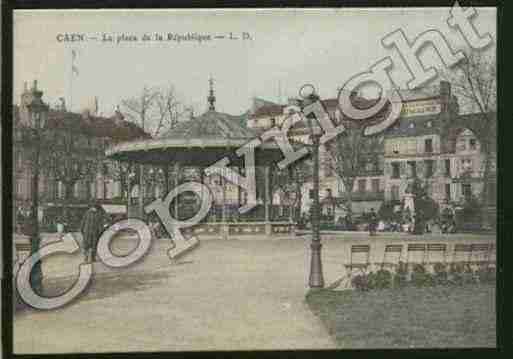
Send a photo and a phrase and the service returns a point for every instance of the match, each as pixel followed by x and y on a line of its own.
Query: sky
pixel 288 48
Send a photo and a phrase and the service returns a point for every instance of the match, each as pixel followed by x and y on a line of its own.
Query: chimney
pixel 34 86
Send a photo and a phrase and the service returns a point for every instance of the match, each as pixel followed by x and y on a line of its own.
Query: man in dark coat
pixel 92 227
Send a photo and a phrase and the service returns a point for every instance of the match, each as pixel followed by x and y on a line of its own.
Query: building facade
pixel 73 167
pixel 430 141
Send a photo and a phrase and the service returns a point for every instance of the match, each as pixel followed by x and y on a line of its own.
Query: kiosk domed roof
pixel 211 124
pixel 200 141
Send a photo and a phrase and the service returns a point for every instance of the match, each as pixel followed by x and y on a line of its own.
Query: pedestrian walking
pixel 92 227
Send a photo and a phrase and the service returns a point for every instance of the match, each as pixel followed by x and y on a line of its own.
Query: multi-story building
pixel 416 146
pixel 368 186
pixel 430 140
pixel 73 164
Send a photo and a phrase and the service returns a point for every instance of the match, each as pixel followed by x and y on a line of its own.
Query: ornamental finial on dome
pixel 211 98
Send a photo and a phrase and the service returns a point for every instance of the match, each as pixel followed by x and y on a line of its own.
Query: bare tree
pixel 475 84
pixel 141 109
pixel 66 162
pixel 170 110
pixel 155 109
pixel 349 153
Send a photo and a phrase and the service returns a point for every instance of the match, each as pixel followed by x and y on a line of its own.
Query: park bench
pixel 360 258
pixel 481 254
pixel 436 253
pixel 392 256
pixel 416 254
pixel 462 253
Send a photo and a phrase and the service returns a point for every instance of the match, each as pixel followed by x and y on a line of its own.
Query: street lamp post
pixel 37 118
pixel 316 279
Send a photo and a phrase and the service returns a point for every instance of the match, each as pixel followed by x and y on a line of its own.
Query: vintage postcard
pixel 254 179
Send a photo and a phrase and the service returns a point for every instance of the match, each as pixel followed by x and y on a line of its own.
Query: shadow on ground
pixel 105 285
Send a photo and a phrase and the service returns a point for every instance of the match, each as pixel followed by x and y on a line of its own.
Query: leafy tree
pixel 387 212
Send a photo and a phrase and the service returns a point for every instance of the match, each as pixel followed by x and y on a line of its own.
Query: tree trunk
pixel 348 187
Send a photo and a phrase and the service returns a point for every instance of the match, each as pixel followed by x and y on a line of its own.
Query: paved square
pixel 224 295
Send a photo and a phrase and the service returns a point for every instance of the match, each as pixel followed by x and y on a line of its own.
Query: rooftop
pixel 113 127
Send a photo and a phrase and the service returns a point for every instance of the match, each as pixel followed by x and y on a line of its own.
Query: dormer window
pixel 412 125
pixel 429 124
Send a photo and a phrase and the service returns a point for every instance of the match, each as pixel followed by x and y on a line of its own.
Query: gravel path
pixel 224 295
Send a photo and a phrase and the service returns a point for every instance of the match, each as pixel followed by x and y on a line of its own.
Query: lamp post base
pixel 316 279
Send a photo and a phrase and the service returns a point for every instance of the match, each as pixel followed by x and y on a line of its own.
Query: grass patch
pixel 431 317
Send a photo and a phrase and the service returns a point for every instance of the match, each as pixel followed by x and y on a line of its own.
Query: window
pixel 362 183
pixel 18 160
pixel 273 122
pixel 447 166
pixel 472 144
pixel 19 187
pixel 375 185
pixel 395 170
pixel 429 166
pixel 466 190
pixel 448 191
pixel 328 192
pixel 428 145
pixel 412 169
pixel 466 164
pixel 394 192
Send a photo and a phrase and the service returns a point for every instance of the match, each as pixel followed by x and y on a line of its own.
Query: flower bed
pixel 420 276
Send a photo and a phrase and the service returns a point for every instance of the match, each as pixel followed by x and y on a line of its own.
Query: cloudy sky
pixel 287 49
